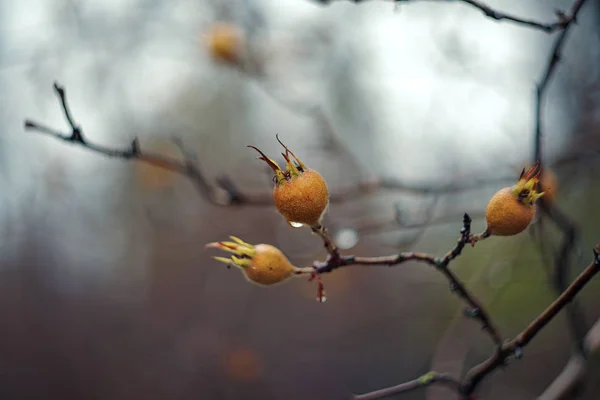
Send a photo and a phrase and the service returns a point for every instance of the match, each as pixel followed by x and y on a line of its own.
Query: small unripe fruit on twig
pixel 262 264
pixel 512 209
pixel 300 193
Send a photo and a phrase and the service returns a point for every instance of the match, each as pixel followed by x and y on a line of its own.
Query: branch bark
pixel 475 308
pixel 569 381
pixel 426 380
pixel 190 168
pixel 561 19
pixel 514 347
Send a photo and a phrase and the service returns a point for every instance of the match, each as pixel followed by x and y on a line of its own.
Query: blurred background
pixel 106 290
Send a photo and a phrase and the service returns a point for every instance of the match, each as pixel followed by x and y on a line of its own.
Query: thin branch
pixel 561 265
pixel 429 378
pixel 515 346
pixel 550 68
pixel 368 226
pixel 475 310
pixel 570 380
pixel 561 268
pixel 76 136
pixel 330 246
pixel 549 27
pixel 191 169
pixel 489 12
pixel 504 350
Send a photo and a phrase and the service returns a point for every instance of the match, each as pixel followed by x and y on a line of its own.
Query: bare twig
pixel 475 311
pixel 187 167
pixel 368 226
pixel 550 68
pixel 561 265
pixel 429 378
pixel 560 271
pixel 504 350
pixel 561 22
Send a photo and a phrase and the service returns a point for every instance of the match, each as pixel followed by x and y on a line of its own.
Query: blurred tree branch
pixel 561 22
pixel 574 371
pixel 476 310
pixel 549 70
pixel 570 380
pixel 510 349
pixel 466 386
pixel 429 378
pixel 191 168
pixel 575 315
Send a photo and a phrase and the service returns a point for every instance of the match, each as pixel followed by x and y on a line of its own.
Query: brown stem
pixel 330 246
pixel 512 348
pixel 560 271
pixel 476 309
pixel 550 68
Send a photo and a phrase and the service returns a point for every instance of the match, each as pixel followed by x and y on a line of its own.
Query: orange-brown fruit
pixel 300 193
pixel 511 209
pixel 262 264
pixel 304 199
pixel 506 215
pixel 224 42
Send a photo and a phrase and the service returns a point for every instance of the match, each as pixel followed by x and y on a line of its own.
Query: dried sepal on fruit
pixel 300 193
pixel 512 209
pixel 224 42
pixel 548 183
pixel 262 263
